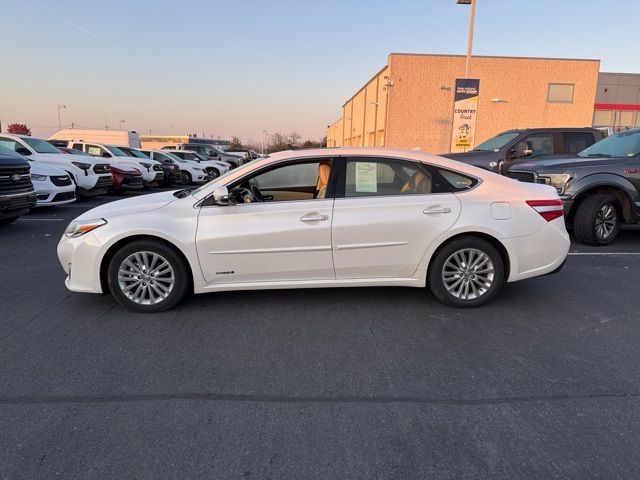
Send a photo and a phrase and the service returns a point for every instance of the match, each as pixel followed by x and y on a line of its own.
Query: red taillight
pixel 548 209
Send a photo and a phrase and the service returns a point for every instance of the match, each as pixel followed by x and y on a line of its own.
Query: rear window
pixel 458 181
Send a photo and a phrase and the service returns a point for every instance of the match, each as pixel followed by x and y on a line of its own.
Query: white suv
pixel 152 173
pixel 190 172
pixel 91 176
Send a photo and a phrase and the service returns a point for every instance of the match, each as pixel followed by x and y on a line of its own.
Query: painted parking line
pixel 604 253
pixel 42 220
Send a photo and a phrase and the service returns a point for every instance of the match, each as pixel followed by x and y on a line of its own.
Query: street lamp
pixel 264 140
pixel 472 17
pixel 60 122
pixel 121 122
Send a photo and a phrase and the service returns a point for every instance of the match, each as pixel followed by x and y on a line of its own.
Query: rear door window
pixel 575 142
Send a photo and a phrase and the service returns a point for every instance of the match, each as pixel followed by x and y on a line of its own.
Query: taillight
pixel 548 209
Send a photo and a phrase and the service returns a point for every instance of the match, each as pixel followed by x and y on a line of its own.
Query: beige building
pixel 409 103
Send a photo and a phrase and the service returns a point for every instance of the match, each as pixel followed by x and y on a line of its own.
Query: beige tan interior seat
pixel 323 179
pixel 418 183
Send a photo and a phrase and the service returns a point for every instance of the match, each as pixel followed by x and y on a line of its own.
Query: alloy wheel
pixel 468 274
pixel 146 278
pixel 606 221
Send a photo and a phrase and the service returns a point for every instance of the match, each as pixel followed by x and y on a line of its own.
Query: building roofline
pixel 365 84
pixel 494 56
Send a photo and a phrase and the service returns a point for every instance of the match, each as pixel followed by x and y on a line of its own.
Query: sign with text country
pixel 465 108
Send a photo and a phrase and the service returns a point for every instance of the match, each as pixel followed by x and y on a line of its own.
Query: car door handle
pixel 314 217
pixel 436 209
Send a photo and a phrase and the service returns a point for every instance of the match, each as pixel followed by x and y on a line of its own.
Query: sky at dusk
pixel 239 67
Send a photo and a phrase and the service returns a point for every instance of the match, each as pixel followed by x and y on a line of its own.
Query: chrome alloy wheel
pixel 468 274
pixel 606 220
pixel 146 278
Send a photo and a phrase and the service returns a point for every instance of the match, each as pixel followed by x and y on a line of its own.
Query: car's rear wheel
pixel 466 272
pixel 147 276
pixel 597 220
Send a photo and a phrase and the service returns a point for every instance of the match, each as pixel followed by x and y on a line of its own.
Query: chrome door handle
pixel 314 217
pixel 434 210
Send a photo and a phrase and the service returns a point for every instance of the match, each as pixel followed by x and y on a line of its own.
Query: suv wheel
pixel 185 178
pixel 147 276
pixel 466 272
pixel 597 220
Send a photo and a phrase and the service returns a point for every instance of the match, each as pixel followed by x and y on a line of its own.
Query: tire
pixel 147 293
pixel 597 220
pixel 7 221
pixel 185 178
pixel 453 284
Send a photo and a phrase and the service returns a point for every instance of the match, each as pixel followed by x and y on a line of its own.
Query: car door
pixel 386 214
pixel 284 237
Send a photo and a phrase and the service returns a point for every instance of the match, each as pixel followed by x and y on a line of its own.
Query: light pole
pixel 59 121
pixel 121 123
pixel 264 140
pixel 472 18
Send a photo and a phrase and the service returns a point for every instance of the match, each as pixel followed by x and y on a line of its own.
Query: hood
pixel 68 157
pixel 143 203
pixel 568 163
pixel 43 169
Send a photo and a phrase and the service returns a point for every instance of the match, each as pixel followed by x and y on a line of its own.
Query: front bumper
pixel 16 204
pixel 100 187
pixel 80 259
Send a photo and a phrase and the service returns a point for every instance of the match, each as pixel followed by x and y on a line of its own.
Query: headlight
pixel 145 165
pixel 82 166
pixel 558 181
pixel 38 178
pixel 79 228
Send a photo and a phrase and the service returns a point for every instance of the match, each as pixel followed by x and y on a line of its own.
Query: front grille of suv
pixel 61 180
pixel 529 177
pixel 102 168
pixel 104 182
pixel 15 180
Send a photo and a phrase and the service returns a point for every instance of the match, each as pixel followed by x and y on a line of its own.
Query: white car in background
pixel 190 172
pixel 91 176
pixel 152 173
pixel 322 218
pixel 218 168
pixel 53 186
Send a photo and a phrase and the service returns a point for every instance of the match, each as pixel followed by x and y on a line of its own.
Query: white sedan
pixel 321 218
pixel 53 186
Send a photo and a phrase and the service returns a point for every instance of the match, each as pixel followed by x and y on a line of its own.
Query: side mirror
pixel 221 195
pixel 519 151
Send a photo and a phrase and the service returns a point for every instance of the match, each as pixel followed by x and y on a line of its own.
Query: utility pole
pixel 59 121
pixel 472 17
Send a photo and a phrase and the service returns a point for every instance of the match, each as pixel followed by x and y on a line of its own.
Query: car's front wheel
pixel 466 272
pixel 147 276
pixel 185 178
pixel 597 220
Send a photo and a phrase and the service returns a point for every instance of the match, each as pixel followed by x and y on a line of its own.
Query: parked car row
pixel 36 172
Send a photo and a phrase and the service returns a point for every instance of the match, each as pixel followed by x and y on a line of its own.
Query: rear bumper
pixel 538 254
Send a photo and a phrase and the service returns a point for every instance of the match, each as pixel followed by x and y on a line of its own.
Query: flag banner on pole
pixel 465 109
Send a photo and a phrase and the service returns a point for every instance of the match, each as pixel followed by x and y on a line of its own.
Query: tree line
pixel 276 142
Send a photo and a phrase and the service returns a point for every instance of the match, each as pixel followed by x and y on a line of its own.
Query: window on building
pixel 560 93
pixel 602 118
pixel 637 119
pixel 624 118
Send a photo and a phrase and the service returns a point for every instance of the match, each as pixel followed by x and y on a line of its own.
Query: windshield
pixel 136 153
pixel 40 146
pixel 497 142
pixel 621 144
pixel 9 153
pixel 116 151
pixel 199 157
pixel 171 156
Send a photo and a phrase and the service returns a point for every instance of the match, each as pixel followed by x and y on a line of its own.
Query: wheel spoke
pixel 146 277
pixel 468 273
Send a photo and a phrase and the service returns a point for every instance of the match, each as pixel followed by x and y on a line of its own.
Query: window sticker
pixel 93 150
pixel 366 177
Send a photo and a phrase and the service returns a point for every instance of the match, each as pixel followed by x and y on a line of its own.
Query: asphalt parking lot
pixel 337 383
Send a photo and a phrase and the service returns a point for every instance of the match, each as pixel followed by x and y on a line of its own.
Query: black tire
pixel 7 221
pixel 180 278
pixel 185 178
pixel 589 223
pixel 477 279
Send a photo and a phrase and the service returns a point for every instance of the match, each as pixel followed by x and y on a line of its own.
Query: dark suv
pixel 600 186
pixel 513 146
pixel 17 196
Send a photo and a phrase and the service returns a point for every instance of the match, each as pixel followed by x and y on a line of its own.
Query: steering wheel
pixel 243 195
pixel 256 192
